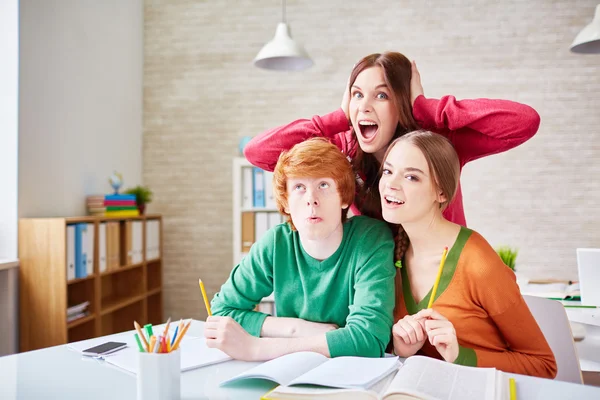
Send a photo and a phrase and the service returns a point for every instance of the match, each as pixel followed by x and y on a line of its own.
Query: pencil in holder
pixel 159 376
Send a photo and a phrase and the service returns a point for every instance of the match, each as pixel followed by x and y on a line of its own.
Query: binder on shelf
pixel 70 252
pixel 269 196
pixel 261 224
pixel 113 260
pixel 274 219
pixel 247 231
pixel 89 248
pixel 259 187
pixel 136 242
pixel 152 240
pixel 247 195
pixel 80 262
pixel 128 250
pixel 102 261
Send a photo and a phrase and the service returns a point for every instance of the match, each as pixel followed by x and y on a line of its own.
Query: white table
pixel 61 373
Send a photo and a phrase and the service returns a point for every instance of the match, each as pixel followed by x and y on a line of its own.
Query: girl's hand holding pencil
pixel 441 333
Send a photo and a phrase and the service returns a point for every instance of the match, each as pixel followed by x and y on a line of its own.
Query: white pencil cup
pixel 159 376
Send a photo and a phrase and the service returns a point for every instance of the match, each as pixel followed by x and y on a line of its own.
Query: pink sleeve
pixel 479 127
pixel 263 150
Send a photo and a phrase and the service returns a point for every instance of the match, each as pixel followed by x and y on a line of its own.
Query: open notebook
pixel 194 352
pixel 554 290
pixel 418 378
pixel 316 369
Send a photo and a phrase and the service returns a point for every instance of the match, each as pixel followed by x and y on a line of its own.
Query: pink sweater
pixel 476 128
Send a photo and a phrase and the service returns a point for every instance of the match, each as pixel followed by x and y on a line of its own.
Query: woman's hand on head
pixel 441 333
pixel 408 335
pixel 416 89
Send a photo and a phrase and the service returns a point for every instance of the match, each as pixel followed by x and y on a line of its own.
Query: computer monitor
pixel 588 267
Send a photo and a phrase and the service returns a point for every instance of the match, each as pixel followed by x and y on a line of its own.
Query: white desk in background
pixel 61 373
pixel 588 348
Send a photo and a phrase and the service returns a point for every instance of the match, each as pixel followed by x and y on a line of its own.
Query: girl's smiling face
pixel 408 190
pixel 372 111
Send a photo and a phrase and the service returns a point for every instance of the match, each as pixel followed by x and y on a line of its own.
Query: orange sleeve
pixel 528 352
pixel 497 292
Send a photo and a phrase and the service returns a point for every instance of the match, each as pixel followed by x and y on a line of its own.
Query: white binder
pixel 70 252
pixel 102 247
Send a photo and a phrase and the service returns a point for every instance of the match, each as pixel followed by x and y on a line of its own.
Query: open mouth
pixel 368 129
pixel 391 200
pixel 313 220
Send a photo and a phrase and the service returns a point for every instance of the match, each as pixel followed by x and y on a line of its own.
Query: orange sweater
pixel 480 296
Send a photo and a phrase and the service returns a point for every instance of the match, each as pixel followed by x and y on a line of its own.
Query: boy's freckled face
pixel 315 206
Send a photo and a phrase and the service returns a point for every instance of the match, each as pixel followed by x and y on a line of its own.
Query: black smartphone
pixel 104 348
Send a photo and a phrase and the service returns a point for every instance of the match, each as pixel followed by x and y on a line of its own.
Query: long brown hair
pixel 397 74
pixel 444 166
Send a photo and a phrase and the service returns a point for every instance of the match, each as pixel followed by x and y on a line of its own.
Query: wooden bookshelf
pixel 246 217
pixel 117 297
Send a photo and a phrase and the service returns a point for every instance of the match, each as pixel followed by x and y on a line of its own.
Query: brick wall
pixel 202 94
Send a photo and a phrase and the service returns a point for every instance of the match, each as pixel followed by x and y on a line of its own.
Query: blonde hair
pixel 444 165
pixel 313 158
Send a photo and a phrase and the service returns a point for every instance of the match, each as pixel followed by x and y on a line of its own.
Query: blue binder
pixel 80 257
pixel 259 187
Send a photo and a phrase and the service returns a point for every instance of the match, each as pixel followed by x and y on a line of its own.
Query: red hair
pixel 313 158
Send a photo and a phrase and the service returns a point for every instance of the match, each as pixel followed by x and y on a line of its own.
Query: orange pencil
pixel 167 327
pixel 179 337
pixel 138 328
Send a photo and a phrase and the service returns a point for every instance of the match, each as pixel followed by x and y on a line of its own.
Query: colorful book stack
pixel 120 205
pixel 95 204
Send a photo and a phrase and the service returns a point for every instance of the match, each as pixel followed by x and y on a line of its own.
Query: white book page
pixel 283 369
pixel 434 379
pixel 349 372
pixel 194 354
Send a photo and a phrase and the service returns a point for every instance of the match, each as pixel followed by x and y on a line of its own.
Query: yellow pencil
pixel 180 336
pixel 206 303
pixel 513 388
pixel 152 344
pixel 138 328
pixel 437 278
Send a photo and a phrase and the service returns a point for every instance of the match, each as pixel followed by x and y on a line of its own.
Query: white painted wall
pixel 80 101
pixel 9 75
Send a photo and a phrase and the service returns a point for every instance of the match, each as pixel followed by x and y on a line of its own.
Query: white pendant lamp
pixel 588 40
pixel 283 53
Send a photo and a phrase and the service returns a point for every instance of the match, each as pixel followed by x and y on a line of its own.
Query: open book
pixel 308 368
pixel 418 378
pixel 554 290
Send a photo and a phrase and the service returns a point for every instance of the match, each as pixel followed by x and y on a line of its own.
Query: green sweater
pixel 354 288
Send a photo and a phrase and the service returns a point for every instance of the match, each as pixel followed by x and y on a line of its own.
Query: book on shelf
pixel 310 368
pixel 78 308
pixel 71 318
pixel 417 378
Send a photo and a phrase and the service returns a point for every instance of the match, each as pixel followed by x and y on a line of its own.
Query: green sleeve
pixel 369 324
pixel 466 356
pixel 249 282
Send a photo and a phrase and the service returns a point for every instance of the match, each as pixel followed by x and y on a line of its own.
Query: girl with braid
pixel 478 317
